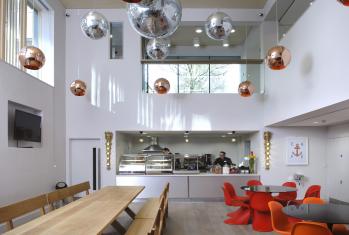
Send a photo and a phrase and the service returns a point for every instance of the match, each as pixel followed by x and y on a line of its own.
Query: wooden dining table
pixel 89 215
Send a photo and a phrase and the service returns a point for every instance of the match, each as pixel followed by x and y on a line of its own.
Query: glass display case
pixel 186 163
pixel 159 163
pixel 132 164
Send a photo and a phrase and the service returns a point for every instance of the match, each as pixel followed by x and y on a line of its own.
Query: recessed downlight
pixel 233 140
pixel 226 43
pixel 198 30
pixel 196 42
pixel 233 30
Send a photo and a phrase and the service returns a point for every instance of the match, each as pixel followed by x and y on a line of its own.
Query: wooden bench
pixel 151 218
pixel 10 212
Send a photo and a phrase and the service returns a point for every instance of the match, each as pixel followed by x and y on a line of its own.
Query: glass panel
pixel 194 78
pixel 156 71
pixel 225 78
pixel 116 50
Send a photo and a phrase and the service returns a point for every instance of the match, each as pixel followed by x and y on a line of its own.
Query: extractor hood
pixel 154 146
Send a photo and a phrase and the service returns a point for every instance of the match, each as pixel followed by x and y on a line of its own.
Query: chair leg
pixel 262 222
pixel 241 216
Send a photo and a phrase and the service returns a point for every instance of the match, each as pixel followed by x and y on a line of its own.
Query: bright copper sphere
pixel 246 89
pixel 162 86
pixel 78 88
pixel 278 57
pixel 344 2
pixel 31 58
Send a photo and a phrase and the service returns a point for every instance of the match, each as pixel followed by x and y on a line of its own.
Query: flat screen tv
pixel 27 126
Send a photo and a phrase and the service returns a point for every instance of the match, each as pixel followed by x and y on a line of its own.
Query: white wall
pixel 29 172
pixel 317 75
pixel 115 100
pixel 25 172
pixel 315 172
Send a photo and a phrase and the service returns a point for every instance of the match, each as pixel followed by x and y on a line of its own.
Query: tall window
pixel 27 23
pixel 195 78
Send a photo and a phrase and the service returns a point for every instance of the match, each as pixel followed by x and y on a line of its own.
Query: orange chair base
pixel 239 217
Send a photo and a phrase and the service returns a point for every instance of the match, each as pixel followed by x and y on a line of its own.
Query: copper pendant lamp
pixel 78 88
pixel 344 2
pixel 246 89
pixel 31 58
pixel 162 86
pixel 278 57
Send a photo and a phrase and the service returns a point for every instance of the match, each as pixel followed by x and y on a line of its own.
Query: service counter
pixel 186 186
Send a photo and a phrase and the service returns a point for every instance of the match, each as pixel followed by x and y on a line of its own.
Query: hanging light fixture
pixel 278 57
pixel 31 58
pixel 344 2
pixel 246 88
pixel 94 25
pixel 155 18
pixel 162 86
pixel 219 26
pixel 158 48
pixel 78 88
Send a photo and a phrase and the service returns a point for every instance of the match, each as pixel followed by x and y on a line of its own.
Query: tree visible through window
pixel 195 78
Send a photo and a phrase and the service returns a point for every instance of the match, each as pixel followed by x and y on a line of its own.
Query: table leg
pixel 118 227
pixel 330 227
pixel 130 212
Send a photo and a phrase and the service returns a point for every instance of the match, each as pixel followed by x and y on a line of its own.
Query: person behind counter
pixel 222 160
pixel 166 151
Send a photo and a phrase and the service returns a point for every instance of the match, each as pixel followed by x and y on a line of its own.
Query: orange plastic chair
pixel 279 220
pixel 308 228
pixel 338 229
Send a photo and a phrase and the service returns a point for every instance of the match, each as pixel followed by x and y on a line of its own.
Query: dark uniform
pixel 223 161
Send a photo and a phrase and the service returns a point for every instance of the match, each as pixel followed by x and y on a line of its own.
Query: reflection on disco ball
pixel 155 18
pixel 157 48
pixel 218 26
pixel 94 25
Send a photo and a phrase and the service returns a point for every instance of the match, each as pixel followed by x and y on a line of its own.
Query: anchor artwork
pixel 297 151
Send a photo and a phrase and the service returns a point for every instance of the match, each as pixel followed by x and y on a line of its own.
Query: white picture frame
pixel 297 151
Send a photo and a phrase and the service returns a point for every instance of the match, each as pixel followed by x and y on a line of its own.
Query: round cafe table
pixel 329 213
pixel 269 189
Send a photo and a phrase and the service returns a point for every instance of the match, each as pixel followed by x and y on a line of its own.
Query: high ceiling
pixel 100 4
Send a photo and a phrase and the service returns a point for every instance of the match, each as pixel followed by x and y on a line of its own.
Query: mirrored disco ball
pixel 156 18
pixel 94 25
pixel 31 58
pixel 162 86
pixel 278 58
pixel 157 48
pixel 246 89
pixel 78 88
pixel 218 26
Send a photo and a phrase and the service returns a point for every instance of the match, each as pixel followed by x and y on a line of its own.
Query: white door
pixel 85 162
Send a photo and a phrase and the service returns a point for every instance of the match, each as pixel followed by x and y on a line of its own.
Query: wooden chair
pixel 79 188
pixel 56 196
pixel 10 212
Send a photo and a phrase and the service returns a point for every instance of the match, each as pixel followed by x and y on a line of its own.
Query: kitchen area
pixel 187 160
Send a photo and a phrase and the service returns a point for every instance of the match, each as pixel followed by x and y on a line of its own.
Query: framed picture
pixel 297 151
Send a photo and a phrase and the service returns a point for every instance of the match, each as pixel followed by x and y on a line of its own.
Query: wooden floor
pixel 196 218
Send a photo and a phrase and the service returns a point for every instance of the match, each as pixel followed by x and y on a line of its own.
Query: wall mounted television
pixel 27 126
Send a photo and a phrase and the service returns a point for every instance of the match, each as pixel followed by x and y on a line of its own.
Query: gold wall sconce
pixel 108 144
pixel 267 146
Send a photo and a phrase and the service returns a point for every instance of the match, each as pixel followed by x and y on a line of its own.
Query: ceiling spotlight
pixel 141 140
pixel 196 42
pixel 233 30
pixel 186 132
pixel 226 43
pixel 187 140
pixel 223 136
pixel 316 122
pixel 233 140
pixel 198 30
